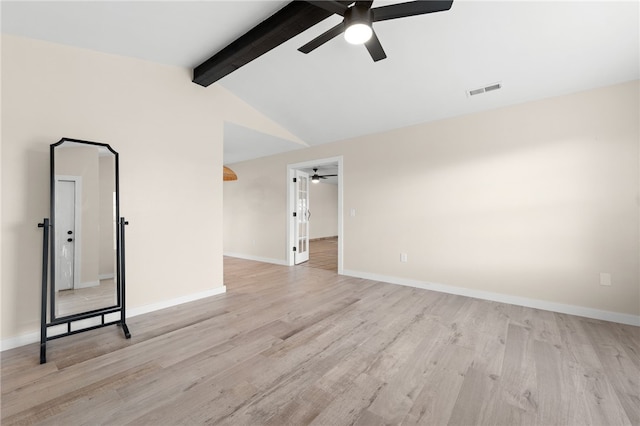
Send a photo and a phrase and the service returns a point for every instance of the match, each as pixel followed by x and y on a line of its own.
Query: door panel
pixel 65 234
pixel 301 253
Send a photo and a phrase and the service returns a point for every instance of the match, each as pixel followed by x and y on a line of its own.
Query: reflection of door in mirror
pixel 68 189
pixel 84 229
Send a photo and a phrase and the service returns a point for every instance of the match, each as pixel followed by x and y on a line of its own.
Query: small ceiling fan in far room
pixel 359 18
pixel 316 177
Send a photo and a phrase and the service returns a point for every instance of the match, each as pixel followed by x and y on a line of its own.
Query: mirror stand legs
pixel 68 320
pixel 45 269
pixel 125 329
pixel 122 280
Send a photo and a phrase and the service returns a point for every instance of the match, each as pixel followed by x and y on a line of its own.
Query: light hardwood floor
pixel 303 345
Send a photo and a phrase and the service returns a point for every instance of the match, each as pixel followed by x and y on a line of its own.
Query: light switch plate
pixel 605 278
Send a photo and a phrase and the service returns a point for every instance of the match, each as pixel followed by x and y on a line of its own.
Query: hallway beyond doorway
pixel 323 254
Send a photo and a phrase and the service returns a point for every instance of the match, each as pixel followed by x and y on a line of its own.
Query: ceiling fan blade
pixel 326 176
pixel 330 6
pixel 322 38
pixel 375 48
pixel 366 4
pixel 410 8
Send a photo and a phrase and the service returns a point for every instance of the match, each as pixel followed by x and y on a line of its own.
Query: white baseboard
pixel 173 302
pixel 503 298
pixel 106 276
pixel 257 258
pixel 28 338
pixel 24 339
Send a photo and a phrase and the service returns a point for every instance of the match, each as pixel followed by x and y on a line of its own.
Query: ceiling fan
pixel 359 18
pixel 316 178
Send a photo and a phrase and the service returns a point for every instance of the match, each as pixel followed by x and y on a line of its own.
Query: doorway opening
pixel 301 213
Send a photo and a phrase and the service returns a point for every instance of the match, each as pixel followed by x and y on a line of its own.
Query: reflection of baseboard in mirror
pixel 88 284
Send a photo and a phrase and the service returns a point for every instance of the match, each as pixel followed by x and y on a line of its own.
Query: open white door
pixel 65 234
pixel 302 215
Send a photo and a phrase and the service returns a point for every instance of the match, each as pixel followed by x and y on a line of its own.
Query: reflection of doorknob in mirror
pixel 69 240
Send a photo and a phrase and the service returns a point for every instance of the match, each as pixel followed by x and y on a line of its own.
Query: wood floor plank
pixel 28 373
pixel 65 402
pixel 595 400
pixel 403 388
pixel 554 404
pixel 621 371
pixel 350 405
pixel 441 384
pixel 514 400
pixel 305 407
pixel 468 407
pixel 302 345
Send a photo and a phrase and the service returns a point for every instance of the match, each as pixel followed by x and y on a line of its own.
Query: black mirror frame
pixel 52 215
pixel 49 284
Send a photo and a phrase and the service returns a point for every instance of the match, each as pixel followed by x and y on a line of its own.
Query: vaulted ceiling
pixel 534 49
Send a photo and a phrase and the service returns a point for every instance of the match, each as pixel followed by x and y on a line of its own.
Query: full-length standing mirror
pixel 85 289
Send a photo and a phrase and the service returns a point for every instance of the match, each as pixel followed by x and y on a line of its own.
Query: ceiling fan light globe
pixel 358 33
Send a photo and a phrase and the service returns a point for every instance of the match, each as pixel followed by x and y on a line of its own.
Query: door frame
pixel 291 205
pixel 77 249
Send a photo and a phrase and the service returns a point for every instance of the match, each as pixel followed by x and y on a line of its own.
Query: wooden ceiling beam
pixel 285 24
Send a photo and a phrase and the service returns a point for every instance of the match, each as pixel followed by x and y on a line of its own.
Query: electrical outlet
pixel 352 212
pixel 605 278
pixel 403 257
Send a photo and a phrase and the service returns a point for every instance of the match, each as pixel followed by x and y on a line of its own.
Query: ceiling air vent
pixel 489 88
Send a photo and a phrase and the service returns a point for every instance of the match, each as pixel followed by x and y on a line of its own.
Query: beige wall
pixel 255 219
pixel 531 201
pixel 323 199
pixel 168 132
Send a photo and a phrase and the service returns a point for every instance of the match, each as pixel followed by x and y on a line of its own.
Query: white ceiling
pixel 536 49
pixel 180 33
